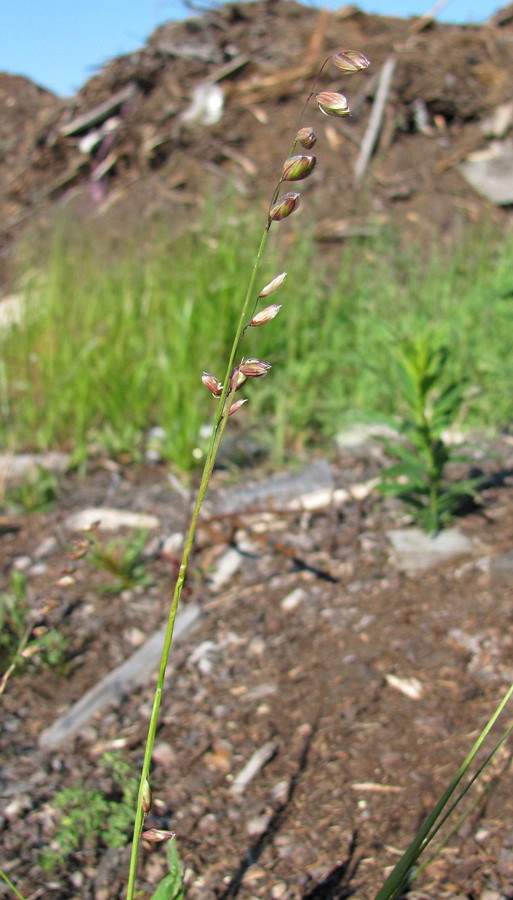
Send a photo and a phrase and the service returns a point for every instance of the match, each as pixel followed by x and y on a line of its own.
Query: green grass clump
pixel 117 332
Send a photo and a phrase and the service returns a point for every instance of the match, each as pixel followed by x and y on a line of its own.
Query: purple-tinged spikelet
pixel 332 104
pixel 349 61
pixel 284 206
pixel 295 168
pixel 307 137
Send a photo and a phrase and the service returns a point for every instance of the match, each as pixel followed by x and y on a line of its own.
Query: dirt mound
pixel 218 95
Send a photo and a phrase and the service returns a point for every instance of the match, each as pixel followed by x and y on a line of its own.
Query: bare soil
pixel 356 763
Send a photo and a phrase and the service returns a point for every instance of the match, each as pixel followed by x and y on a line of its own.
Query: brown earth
pixel 355 763
pixel 122 143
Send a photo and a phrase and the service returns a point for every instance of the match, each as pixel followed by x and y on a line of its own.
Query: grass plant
pixel 255 312
pixel 121 559
pixel 24 640
pixel 115 332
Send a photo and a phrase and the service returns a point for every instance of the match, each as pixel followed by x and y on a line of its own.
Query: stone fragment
pixel 226 567
pixel 281 490
pixel 135 671
pixel 47 546
pixel 14 468
pixel 410 687
pixel 499 122
pixel 109 519
pixel 490 172
pixel 11 310
pixel 293 599
pixel 253 766
pixel 362 432
pixel 414 550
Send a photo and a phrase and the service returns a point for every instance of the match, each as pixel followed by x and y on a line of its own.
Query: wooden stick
pixel 375 118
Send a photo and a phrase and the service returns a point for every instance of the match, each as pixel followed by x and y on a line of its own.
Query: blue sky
pixel 59 44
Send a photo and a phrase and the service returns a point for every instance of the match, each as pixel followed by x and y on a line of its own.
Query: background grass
pixel 119 327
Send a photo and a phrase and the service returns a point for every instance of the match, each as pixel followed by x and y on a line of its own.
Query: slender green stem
pixel 219 424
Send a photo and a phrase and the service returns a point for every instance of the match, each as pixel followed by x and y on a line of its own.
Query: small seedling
pixel 122 559
pixel 13 613
pixel 22 639
pixel 88 817
pixel 35 493
pixel 171 887
pixel 418 478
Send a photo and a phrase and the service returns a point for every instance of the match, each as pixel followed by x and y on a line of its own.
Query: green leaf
pixel 171 887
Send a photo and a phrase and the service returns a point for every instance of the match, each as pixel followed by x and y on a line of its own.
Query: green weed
pixel 122 559
pixel 433 404
pixel 87 817
pixel 23 642
pixel 35 493
pixel 171 887
pixel 13 613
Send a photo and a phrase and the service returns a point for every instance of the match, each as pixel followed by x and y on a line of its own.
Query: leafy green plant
pixel 22 641
pixel 14 631
pixel 89 817
pixel 122 559
pixel 418 478
pixel 35 493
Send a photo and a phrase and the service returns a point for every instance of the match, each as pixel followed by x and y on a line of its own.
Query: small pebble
pixel 135 637
pixel 293 599
pixel 163 754
pixel 279 890
pixel 46 547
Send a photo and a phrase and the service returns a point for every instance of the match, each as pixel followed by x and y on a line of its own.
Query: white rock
pixel 206 107
pixel 313 499
pixel 109 519
pixel 414 550
pixel 173 544
pixel 11 310
pixel 499 122
pixel 46 547
pixel 410 687
pixel 363 432
pixel 14 467
pixel 490 172
pixel 293 599
pixel 226 567
pixel 163 754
